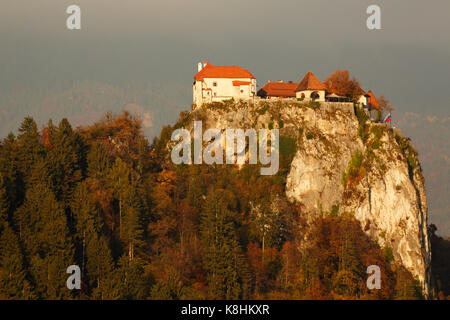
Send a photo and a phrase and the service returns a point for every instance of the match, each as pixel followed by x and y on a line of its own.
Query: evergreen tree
pixel 13 282
pixel 129 280
pixel 65 161
pixel 29 147
pixel 222 257
pixel 4 203
pixel 87 223
pixel 98 161
pixel 406 287
pixel 96 260
pixel 132 227
pixel 99 266
pixel 119 181
pixel 350 270
pixel 9 169
pixel 266 224
pixel 124 182
pixel 43 230
pixel 170 288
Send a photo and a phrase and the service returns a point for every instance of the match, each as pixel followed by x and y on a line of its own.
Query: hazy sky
pixel 161 41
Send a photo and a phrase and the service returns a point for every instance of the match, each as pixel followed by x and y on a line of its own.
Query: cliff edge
pixel 346 163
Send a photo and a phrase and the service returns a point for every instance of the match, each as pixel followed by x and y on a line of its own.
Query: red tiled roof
pixel 238 83
pixel 278 89
pixel 210 71
pixel 310 82
pixel 372 101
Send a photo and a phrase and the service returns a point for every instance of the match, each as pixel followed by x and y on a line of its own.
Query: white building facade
pixel 362 100
pixel 310 88
pixel 311 95
pixel 219 83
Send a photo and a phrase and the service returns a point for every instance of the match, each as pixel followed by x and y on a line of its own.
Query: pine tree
pixel 43 230
pixel 132 227
pixel 170 288
pixel 96 259
pixel 9 168
pixel 29 147
pixel 40 175
pixel 406 287
pixel 266 224
pixel 65 161
pixel 350 270
pixel 13 282
pixel 4 203
pixel 128 277
pixel 119 180
pixel 98 161
pixel 194 193
pixel 87 223
pixel 99 266
pixel 223 255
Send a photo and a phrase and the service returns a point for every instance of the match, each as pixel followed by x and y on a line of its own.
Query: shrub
pixel 288 147
pixel 313 105
pixel 388 253
pixel 410 153
pixel 362 120
pixel 361 115
pixel 354 171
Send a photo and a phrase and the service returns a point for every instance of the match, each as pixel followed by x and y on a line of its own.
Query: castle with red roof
pixel 219 83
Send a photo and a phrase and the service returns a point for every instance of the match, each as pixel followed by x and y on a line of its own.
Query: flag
pixel 387 119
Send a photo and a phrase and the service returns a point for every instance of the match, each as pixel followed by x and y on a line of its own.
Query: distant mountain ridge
pixel 84 102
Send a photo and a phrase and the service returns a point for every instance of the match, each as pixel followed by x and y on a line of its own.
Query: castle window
pixel 214 84
pixel 315 95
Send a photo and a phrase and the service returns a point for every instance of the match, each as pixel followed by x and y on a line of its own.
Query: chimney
pixel 199 67
pixel 205 63
pixel 280 81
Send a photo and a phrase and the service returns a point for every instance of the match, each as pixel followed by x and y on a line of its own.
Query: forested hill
pixel 104 198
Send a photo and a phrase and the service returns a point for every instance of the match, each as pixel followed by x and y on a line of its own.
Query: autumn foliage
pixel 139 227
pixel 340 83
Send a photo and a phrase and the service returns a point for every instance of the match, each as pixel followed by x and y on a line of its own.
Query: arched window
pixel 302 97
pixel 315 95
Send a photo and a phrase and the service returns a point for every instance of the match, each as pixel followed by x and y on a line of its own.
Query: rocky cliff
pixel 346 163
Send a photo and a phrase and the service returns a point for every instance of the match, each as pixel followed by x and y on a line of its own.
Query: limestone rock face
pixel 393 206
pixel 323 154
pixel 389 201
pixel 387 197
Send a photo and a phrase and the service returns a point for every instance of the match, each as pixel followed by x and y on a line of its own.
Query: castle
pixel 218 83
